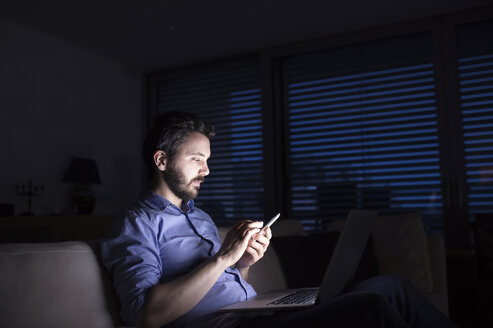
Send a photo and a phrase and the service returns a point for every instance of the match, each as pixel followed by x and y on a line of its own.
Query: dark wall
pixel 58 101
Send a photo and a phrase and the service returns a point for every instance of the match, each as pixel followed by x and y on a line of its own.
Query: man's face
pixel 187 170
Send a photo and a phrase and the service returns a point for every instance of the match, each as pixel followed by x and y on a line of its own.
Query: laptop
pixel 339 273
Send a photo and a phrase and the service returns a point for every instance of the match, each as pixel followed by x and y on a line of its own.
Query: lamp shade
pixel 82 171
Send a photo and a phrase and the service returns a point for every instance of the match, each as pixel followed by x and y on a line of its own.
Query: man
pixel 168 266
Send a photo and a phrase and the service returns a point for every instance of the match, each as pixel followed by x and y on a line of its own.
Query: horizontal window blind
pixel 475 64
pixel 363 131
pixel 228 96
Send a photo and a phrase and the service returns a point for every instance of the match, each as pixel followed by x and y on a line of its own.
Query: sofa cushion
pixel 436 251
pixel 400 245
pixel 288 227
pixel 267 273
pixel 305 258
pixel 54 285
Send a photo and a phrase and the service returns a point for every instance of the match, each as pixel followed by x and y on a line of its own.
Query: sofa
pixel 63 284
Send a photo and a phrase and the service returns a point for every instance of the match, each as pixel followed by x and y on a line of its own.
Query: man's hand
pixel 257 246
pixel 244 245
pixel 238 240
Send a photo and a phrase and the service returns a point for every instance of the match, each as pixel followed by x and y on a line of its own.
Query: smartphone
pixel 271 222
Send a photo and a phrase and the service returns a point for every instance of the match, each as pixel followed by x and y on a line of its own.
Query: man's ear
pixel 160 160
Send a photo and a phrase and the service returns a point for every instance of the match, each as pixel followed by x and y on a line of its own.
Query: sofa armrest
pixel 54 285
pixel 402 247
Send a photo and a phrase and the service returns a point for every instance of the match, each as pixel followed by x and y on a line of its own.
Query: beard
pixel 177 182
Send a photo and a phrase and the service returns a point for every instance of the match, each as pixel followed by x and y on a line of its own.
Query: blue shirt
pixel 155 242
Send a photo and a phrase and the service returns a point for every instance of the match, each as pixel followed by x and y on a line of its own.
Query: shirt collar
pixel 159 203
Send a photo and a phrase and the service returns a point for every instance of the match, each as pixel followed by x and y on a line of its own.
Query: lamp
pixel 82 173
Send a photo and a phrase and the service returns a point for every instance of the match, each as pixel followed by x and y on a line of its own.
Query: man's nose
pixel 204 170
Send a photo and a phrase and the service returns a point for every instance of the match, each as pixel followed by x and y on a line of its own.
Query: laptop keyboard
pixel 303 296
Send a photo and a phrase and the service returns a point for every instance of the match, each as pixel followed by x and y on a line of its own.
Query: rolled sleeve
pixel 133 259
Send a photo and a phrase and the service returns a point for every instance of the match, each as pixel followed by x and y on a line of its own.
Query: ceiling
pixel 160 34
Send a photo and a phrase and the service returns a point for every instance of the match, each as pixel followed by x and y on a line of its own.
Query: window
pixel 228 96
pixel 363 131
pixel 376 124
pixel 475 65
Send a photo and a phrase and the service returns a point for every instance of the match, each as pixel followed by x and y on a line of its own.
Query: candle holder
pixel 29 191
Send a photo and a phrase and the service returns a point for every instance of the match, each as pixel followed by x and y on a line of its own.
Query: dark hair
pixel 170 131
